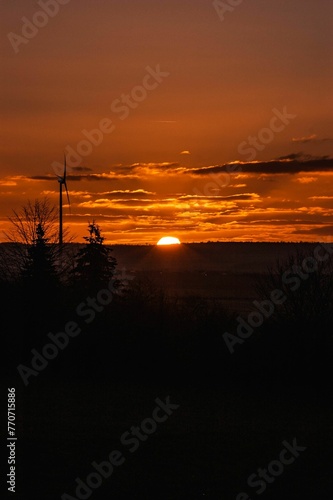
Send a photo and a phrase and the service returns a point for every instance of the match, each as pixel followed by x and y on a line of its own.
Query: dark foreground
pixel 207 448
pixel 255 422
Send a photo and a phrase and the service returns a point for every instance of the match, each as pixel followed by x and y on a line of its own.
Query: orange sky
pixel 207 125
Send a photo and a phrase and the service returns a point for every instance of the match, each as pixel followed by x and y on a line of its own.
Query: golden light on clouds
pixel 200 205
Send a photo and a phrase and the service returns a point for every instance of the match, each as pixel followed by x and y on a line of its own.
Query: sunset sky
pixel 178 118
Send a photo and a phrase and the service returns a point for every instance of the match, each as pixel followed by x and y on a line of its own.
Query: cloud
pixel 135 202
pixel 304 140
pixel 185 153
pixel 145 169
pixel 8 183
pixel 324 230
pixel 293 156
pixel 306 180
pixel 291 164
pixel 75 178
pixel 162 165
pixel 321 198
pixel 311 138
pixel 81 169
pixel 128 193
pixel 242 196
pixel 69 177
pixel 79 194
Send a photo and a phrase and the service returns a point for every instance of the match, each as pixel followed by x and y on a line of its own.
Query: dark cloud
pixel 293 163
pixel 243 196
pixel 88 177
pixel 324 230
pixel 293 156
pixel 53 178
pixel 116 172
pixel 281 222
pixel 81 169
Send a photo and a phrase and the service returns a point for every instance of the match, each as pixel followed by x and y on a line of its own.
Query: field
pixel 224 272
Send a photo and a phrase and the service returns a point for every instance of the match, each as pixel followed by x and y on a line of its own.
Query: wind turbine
pixel 62 182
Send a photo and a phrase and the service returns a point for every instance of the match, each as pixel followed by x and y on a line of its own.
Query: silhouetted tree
pixel 32 228
pixel 40 270
pixel 94 264
pixel 30 217
pixel 33 264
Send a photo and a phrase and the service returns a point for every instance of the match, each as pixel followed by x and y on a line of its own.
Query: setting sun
pixel 168 240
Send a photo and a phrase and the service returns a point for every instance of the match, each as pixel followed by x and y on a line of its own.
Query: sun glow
pixel 168 240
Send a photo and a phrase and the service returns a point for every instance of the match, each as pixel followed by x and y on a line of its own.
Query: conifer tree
pixel 95 266
pixel 39 270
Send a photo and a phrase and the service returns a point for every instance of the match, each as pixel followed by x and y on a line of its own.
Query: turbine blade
pixel 65 168
pixel 69 202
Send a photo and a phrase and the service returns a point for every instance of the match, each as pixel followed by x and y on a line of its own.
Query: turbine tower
pixel 62 182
